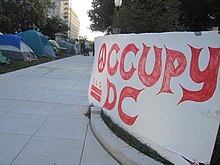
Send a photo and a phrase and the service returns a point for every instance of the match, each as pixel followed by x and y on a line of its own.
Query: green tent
pixel 3 59
pixel 55 45
pixel 38 43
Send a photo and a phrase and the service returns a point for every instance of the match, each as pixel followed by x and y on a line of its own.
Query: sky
pixel 81 7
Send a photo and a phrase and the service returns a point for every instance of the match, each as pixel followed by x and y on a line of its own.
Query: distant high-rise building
pixel 73 24
pixel 63 9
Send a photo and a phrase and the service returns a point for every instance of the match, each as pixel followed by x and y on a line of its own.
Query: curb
pixel 118 149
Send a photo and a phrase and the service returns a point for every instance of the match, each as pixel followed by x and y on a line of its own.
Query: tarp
pixel 163 88
pixel 38 42
pixel 69 47
pixel 14 47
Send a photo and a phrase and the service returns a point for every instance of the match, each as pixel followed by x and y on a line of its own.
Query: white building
pixel 63 9
pixel 73 24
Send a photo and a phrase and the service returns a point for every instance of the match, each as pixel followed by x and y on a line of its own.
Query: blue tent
pixel 10 39
pixel 38 42
pixel 14 47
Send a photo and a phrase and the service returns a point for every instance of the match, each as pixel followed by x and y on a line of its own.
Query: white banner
pixel 163 89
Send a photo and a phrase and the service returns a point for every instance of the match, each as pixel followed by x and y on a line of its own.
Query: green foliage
pixel 155 16
pixel 148 16
pixel 54 25
pixel 101 15
pixel 5 24
pixel 17 64
pixel 23 14
pixel 200 14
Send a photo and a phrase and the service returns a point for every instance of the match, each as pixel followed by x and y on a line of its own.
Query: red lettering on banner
pixel 113 70
pixel 208 77
pixel 175 65
pixel 108 105
pixel 102 58
pixel 95 96
pixel 97 90
pixel 127 92
pixel 96 93
pixel 127 75
pixel 151 79
pixel 171 70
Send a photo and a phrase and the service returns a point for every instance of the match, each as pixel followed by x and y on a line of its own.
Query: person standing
pixel 93 49
pixel 83 48
pixel 87 48
pixel 76 46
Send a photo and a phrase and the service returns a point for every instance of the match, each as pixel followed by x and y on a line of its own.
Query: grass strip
pixel 143 148
pixel 18 64
pixel 132 141
pixel 216 153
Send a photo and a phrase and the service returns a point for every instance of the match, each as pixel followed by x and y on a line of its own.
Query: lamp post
pixel 118 4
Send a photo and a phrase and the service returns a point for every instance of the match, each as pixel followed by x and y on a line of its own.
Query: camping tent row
pixel 62 46
pixel 14 47
pixel 38 42
pixel 25 46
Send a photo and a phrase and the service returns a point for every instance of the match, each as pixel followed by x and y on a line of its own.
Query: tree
pixel 155 16
pixel 140 16
pixel 24 13
pixel 5 24
pixel 195 15
pixel 136 16
pixel 54 25
pixel 200 14
pixel 101 15
pixel 215 12
pixel 5 16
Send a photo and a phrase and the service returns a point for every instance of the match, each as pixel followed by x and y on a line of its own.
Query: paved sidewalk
pixel 42 118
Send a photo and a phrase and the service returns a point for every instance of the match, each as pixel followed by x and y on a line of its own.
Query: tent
pixel 69 47
pixel 38 42
pixel 14 47
pixel 3 59
pixel 55 46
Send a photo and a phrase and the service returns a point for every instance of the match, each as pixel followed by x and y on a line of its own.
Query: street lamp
pixel 118 4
